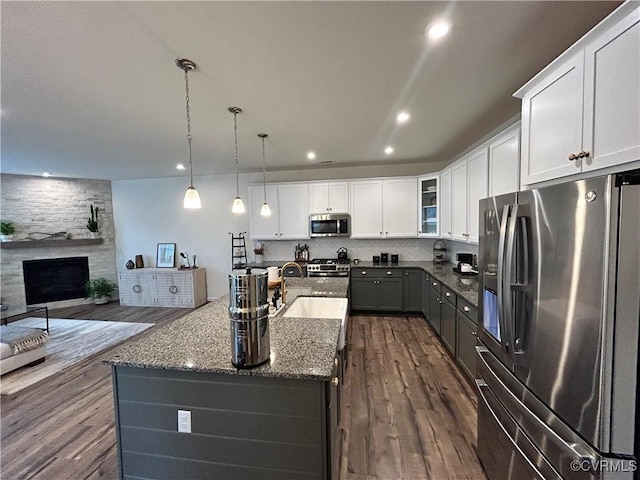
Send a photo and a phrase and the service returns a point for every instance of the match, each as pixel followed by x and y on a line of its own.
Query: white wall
pixel 148 212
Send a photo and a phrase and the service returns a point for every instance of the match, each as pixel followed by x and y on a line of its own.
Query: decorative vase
pixel 258 258
pixel 93 235
pixel 139 261
pixel 100 300
pixel 130 264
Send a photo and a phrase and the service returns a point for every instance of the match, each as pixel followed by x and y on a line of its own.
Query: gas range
pixel 328 267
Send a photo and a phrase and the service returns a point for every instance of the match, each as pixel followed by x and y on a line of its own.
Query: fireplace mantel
pixel 51 243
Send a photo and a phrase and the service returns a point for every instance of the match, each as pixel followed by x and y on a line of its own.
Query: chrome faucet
pixel 284 291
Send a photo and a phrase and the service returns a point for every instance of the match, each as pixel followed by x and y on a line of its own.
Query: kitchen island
pixel 278 420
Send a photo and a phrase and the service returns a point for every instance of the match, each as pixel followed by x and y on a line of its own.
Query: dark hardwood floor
pixel 407 411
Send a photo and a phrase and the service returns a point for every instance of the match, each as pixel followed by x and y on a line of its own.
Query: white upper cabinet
pixel 428 210
pixel 446 230
pixel 400 203
pixel 366 209
pixel 384 208
pixel 289 219
pixel 263 228
pixel 331 197
pixel 293 216
pixel 477 182
pixel 582 113
pixel 504 162
pixel 459 200
pixel 612 95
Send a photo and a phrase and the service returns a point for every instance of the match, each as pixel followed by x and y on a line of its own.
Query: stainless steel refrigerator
pixel 558 355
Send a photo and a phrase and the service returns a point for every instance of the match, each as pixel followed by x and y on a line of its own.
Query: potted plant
pixel 92 224
pixel 100 290
pixel 7 229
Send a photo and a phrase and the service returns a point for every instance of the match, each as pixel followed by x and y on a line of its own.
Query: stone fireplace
pixel 39 206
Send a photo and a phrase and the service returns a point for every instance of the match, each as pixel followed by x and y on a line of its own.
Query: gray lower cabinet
pixel 242 426
pixel 412 289
pixel 466 336
pixel 377 289
pixel 434 304
pixel 425 295
pixel 448 319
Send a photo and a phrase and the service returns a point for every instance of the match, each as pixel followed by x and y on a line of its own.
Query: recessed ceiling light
pixel 388 150
pixel 402 117
pixel 311 155
pixel 438 29
pixel 180 166
pixel 46 174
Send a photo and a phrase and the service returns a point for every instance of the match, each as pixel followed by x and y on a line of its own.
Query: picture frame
pixel 166 256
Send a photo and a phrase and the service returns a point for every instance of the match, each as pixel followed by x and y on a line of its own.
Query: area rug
pixel 70 341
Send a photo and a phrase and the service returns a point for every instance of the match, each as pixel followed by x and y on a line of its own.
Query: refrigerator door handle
pixel 519 288
pixel 502 289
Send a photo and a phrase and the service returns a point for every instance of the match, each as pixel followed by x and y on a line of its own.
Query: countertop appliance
pixel 439 251
pixel 330 225
pixel 329 267
pixel 559 311
pixel 249 317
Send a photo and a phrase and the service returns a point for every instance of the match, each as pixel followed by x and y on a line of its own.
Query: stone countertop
pixel 464 285
pixel 301 348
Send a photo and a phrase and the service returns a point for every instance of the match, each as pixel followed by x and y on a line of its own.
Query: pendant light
pixel 238 204
pixel 191 197
pixel 265 211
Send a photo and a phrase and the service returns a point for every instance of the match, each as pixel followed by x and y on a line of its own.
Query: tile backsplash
pixel 415 249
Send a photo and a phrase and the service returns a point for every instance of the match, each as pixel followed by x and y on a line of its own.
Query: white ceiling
pixel 91 90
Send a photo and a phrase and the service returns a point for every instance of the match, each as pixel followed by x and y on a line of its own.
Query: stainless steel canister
pixel 249 317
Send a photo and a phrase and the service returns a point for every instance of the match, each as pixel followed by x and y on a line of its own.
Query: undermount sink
pixel 317 307
pixel 321 307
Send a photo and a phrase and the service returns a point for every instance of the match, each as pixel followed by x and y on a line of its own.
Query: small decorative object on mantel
pixel 7 229
pixel 100 290
pixel 92 224
pixel 130 265
pixel 139 261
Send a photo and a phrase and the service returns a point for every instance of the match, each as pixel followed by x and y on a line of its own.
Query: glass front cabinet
pixel 428 212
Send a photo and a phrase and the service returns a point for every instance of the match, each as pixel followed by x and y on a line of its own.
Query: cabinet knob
pixel 465 234
pixel 572 157
pixel 380 233
pixel 363 272
pixel 583 154
pixel 447 294
pixel 434 284
pixel 406 274
pixel 465 308
pixel 389 272
pixel 335 381
pixel 335 362
pixel 448 233
pixel 473 333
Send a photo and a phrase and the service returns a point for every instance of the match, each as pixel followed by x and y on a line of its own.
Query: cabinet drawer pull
pixel 363 272
pixel 447 294
pixel 572 157
pixel 435 284
pixel 173 289
pixel 335 362
pixel 137 288
pixel 389 272
pixel 465 308
pixel 583 154
pixel 335 381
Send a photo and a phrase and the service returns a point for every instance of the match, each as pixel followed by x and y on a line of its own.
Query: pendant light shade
pixel 265 211
pixel 191 197
pixel 238 204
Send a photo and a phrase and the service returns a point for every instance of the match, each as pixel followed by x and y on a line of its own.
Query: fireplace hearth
pixel 55 279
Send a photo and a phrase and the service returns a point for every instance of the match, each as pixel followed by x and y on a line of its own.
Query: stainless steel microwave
pixel 330 225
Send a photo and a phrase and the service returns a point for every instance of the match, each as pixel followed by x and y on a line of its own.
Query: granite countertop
pixel 201 340
pixel 464 285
